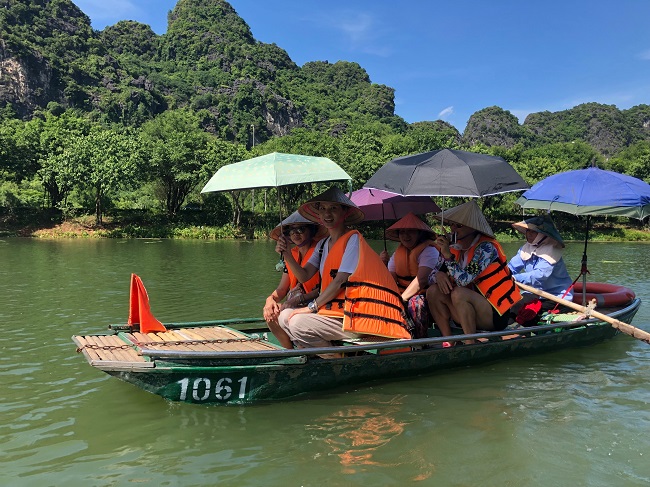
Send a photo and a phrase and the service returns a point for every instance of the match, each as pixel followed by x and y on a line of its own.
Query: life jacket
pixel 293 280
pixel 495 282
pixel 369 302
pixel 406 264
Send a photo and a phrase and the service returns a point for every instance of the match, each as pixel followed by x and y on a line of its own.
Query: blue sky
pixel 446 60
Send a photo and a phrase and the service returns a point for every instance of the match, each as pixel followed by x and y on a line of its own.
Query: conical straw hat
pixel 297 220
pixel 540 224
pixel 469 215
pixel 332 195
pixel 409 222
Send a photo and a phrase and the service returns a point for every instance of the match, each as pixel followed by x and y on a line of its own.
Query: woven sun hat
pixel 469 215
pixel 540 224
pixel 409 222
pixel 297 220
pixel 332 195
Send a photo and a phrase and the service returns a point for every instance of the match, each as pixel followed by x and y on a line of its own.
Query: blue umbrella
pixel 589 192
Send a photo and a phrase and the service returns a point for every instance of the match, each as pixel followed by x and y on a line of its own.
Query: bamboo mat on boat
pixel 122 350
pixel 203 339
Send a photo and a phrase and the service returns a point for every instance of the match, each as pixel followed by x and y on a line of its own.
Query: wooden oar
pixel 633 331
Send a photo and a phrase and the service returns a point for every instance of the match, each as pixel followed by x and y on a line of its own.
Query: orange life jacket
pixel 369 302
pixel 495 282
pixel 293 280
pixel 406 265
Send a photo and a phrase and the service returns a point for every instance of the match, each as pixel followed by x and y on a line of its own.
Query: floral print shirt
pixel 484 255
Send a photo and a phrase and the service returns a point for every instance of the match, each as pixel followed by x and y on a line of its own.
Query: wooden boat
pixel 238 362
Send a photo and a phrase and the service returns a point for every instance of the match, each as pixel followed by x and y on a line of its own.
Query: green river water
pixel 577 418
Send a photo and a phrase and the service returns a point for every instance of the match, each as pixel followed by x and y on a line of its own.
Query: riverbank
pixel 84 227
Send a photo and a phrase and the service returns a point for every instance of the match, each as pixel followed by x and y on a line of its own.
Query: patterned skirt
pixel 418 311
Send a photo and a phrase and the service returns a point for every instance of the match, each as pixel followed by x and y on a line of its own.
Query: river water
pixel 579 417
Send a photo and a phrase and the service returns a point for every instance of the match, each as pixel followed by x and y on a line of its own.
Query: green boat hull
pixel 292 374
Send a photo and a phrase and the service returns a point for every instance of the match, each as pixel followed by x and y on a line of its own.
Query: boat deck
pixel 123 349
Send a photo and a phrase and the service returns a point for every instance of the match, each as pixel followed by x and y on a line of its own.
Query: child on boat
pixel 414 260
pixel 304 235
pixel 358 295
pixel 478 289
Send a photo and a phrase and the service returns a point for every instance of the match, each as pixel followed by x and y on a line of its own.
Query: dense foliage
pixel 128 120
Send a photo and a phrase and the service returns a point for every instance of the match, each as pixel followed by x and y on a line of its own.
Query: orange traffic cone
pixel 139 311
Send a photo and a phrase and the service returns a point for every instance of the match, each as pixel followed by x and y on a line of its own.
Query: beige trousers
pixel 312 330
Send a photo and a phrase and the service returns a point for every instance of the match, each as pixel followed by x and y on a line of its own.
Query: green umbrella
pixel 275 170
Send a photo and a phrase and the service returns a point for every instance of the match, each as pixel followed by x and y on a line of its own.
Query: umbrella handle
pixel 281 219
pixel 383 225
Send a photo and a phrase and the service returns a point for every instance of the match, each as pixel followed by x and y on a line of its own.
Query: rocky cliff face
pixel 492 126
pixel 604 127
pixel 25 81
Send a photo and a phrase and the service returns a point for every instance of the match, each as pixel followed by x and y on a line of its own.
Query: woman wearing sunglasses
pixel 304 235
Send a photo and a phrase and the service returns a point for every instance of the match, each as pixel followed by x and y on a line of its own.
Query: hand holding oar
pixel 633 331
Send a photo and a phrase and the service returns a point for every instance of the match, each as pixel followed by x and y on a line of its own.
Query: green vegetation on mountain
pixel 123 119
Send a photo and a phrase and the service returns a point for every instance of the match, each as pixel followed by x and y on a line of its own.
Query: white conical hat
pixel 297 220
pixel 469 215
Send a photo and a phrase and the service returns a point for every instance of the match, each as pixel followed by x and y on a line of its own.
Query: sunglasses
pixel 294 231
pixel 457 225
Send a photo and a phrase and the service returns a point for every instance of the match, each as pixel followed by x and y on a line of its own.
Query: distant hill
pixel 604 127
pixel 208 60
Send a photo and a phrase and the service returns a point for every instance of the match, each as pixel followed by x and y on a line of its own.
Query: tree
pixel 634 160
pixel 51 137
pixel 105 160
pixel 541 162
pixel 176 149
pixel 218 154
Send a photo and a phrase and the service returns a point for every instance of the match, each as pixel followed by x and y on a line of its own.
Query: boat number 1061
pixel 201 388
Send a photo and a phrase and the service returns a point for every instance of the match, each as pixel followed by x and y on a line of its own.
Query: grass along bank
pixel 259 226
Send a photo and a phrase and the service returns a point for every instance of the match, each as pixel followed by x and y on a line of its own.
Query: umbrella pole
pixel 584 271
pixel 383 224
pixel 280 211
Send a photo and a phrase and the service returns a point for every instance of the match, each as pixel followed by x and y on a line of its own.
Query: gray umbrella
pixel 447 172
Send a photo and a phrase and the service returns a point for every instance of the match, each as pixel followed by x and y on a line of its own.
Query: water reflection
pixel 364 435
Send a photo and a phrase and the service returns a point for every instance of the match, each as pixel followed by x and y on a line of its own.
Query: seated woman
pixel 478 289
pixel 411 264
pixel 358 295
pixel 304 234
pixel 539 262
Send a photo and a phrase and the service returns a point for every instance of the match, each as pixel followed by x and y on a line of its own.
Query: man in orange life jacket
pixel 478 289
pixel 304 234
pixel 358 295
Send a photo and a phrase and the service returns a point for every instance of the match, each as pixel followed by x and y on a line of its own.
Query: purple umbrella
pixel 382 205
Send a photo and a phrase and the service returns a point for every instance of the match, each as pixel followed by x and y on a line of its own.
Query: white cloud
pixel 361 30
pixel 358 27
pixel 446 112
pixel 645 55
